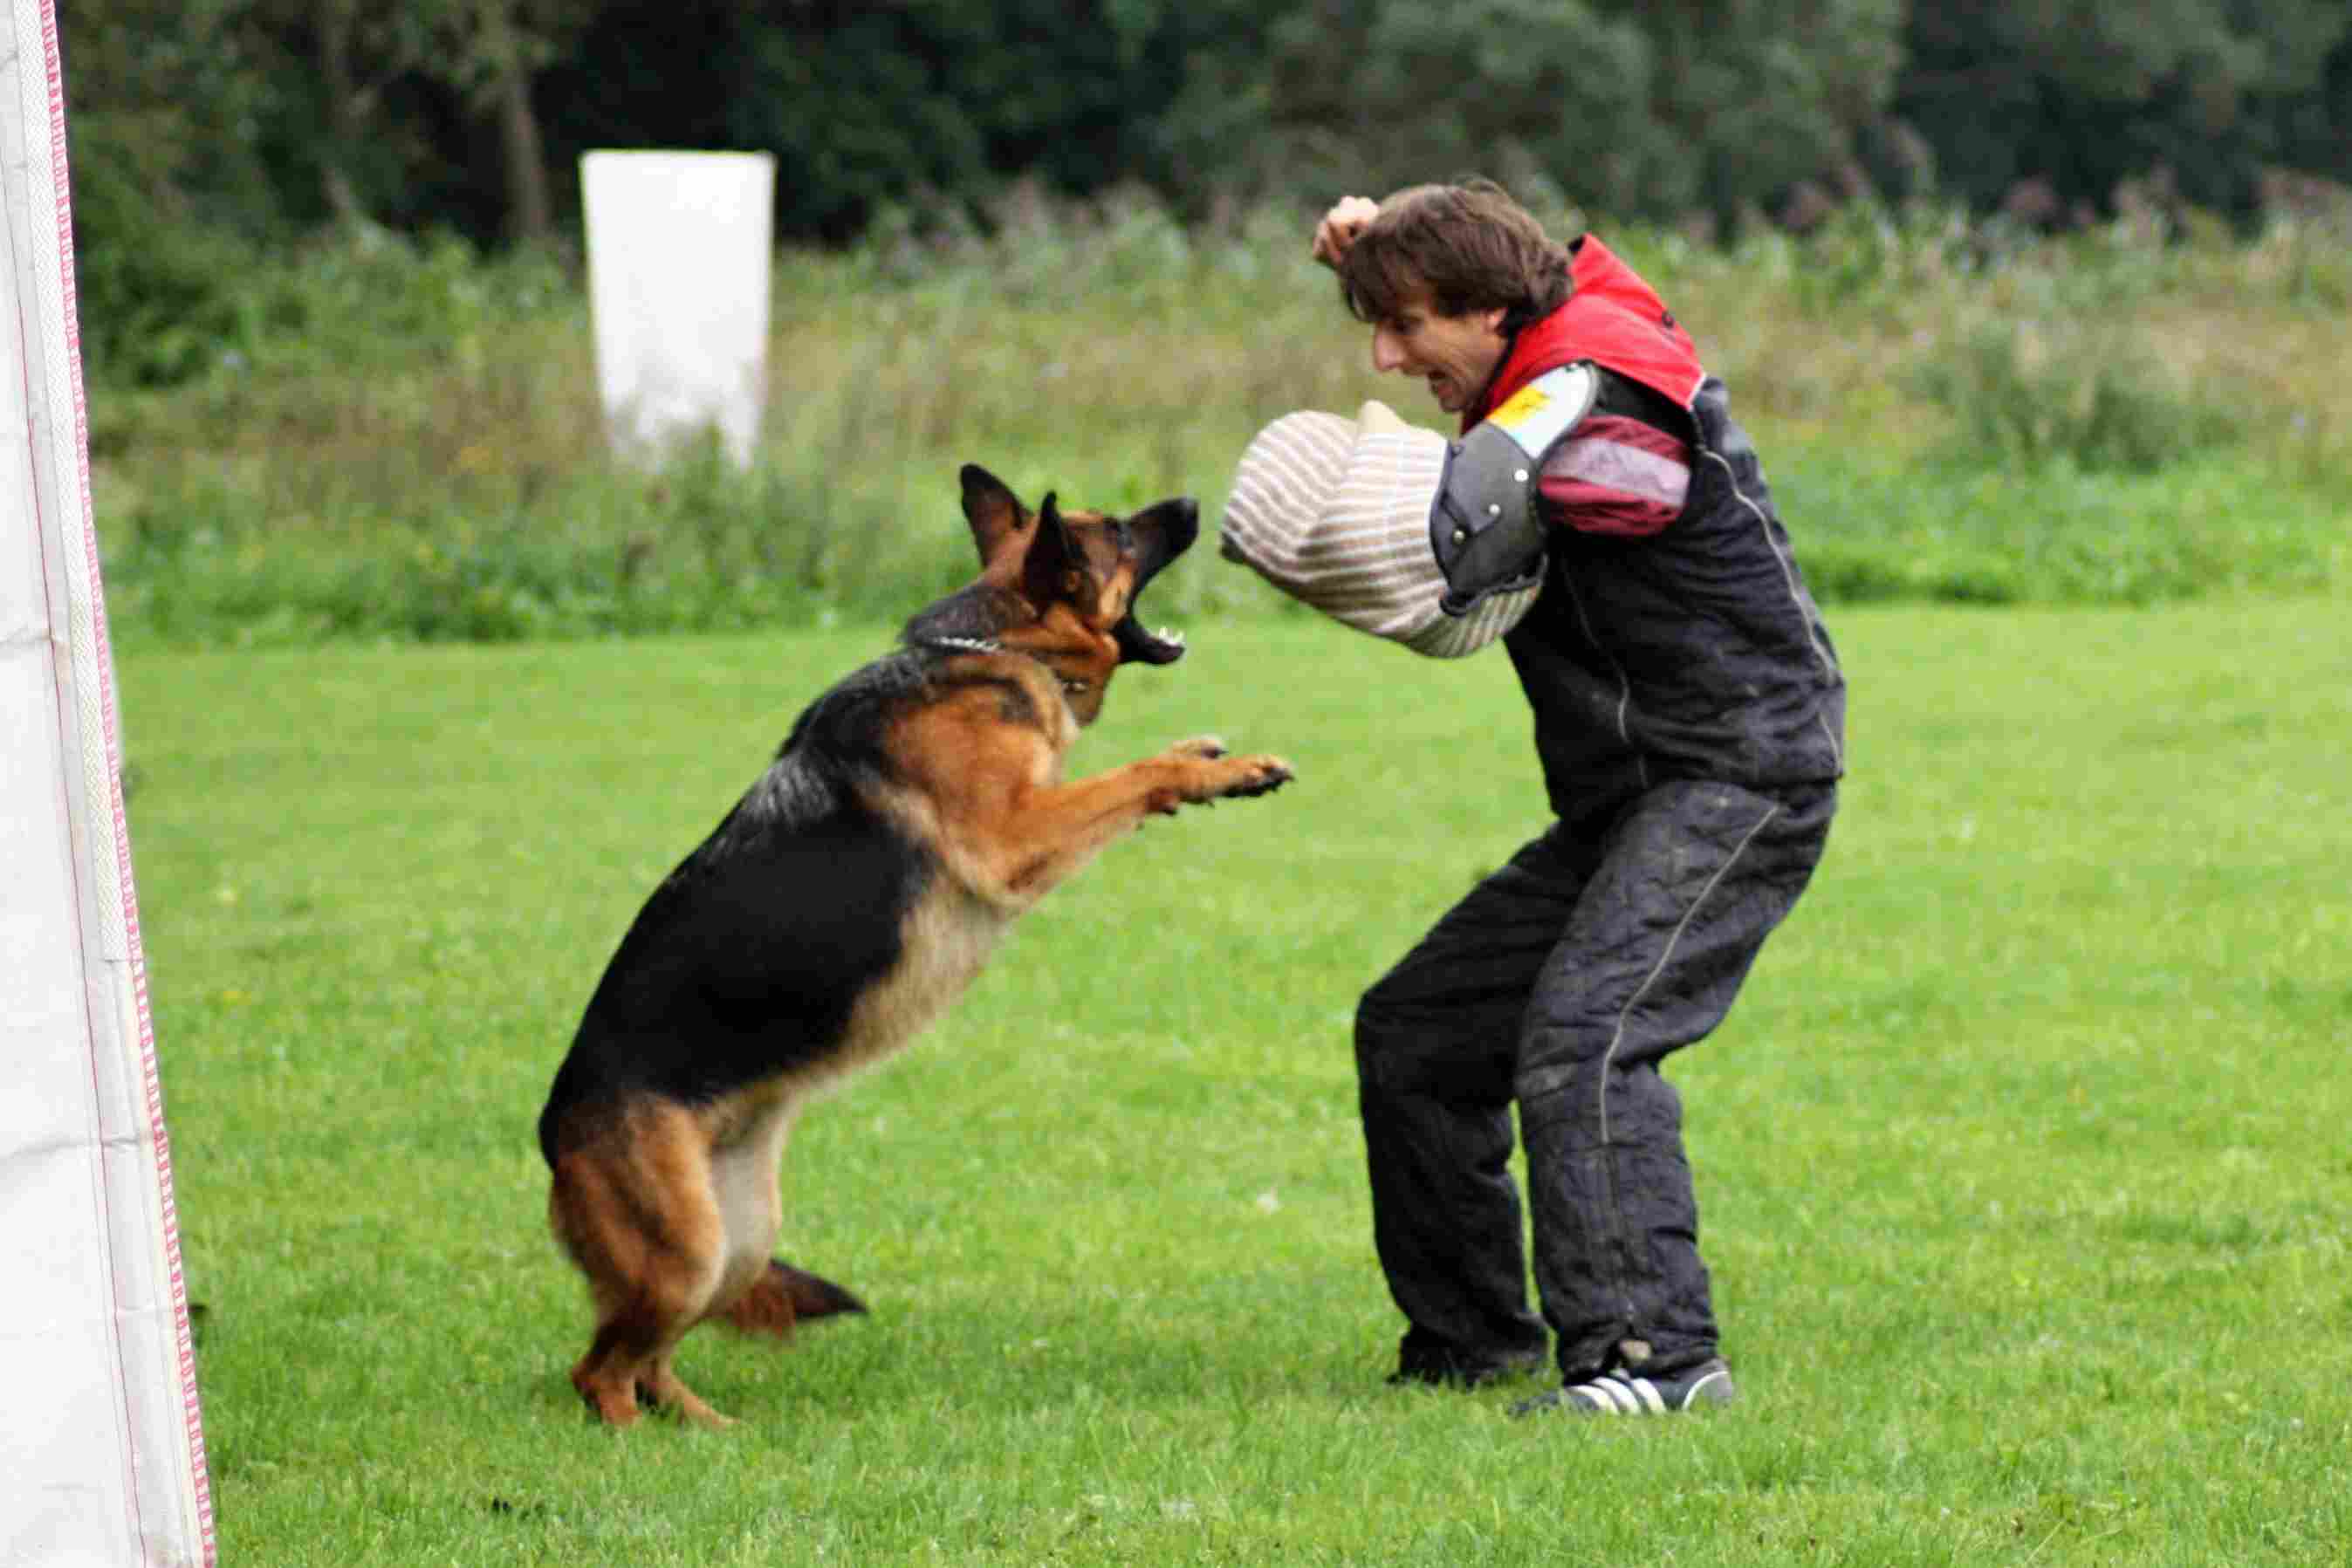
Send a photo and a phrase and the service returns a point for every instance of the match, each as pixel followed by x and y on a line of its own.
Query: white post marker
pixel 678 256
pixel 101 1452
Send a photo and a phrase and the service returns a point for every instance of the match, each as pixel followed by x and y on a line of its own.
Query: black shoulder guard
pixel 1484 527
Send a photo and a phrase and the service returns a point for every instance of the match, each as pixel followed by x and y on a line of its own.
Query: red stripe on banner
pixel 69 303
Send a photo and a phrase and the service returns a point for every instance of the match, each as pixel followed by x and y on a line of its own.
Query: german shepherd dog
pixel 849 897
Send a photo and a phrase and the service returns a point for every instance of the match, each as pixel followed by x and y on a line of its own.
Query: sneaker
pixel 1618 1393
pixel 1447 1369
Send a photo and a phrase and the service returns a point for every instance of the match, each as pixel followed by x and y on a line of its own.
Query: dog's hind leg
pixel 660 1384
pixel 636 1212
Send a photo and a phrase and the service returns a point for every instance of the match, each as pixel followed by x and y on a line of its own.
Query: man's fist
pixel 1341 227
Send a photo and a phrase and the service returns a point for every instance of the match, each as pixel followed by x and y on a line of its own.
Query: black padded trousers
pixel 1560 982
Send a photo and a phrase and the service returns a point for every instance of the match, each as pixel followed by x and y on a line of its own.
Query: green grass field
pixel 2022 1161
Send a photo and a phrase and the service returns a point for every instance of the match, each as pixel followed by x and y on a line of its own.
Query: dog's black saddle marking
pixel 747 959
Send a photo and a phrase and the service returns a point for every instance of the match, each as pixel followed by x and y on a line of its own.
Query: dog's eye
pixel 1075 687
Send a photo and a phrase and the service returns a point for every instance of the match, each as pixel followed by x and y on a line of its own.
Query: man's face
pixel 1456 355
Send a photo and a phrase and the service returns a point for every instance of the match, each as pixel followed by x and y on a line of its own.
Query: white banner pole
pixel 102 1455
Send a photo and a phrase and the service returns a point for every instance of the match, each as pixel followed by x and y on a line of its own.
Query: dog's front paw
pixel 1256 776
pixel 1202 747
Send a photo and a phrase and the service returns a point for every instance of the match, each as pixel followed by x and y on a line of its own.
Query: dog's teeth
pixel 1166 635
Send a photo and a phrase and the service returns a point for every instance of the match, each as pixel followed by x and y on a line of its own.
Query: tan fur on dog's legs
pixel 1009 829
pixel 637 1214
pixel 662 1387
pixel 1052 832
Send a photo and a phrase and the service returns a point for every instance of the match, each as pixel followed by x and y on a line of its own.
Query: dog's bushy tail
pixel 784 1296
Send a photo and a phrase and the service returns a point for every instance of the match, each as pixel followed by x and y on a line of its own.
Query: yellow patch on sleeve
pixel 1523 404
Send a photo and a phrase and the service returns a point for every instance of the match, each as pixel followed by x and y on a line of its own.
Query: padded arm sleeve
pixel 1484 527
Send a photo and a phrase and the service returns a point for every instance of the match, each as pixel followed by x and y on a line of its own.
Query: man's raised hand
pixel 1341 227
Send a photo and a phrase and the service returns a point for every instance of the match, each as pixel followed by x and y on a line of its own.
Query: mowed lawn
pixel 2024 1164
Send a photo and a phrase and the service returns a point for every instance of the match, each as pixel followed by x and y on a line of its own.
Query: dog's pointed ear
pixel 992 509
pixel 1051 554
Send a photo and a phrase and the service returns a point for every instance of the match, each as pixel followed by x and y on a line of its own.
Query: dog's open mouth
pixel 1160 646
pixel 1161 533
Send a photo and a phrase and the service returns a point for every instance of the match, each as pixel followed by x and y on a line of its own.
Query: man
pixel 1689 715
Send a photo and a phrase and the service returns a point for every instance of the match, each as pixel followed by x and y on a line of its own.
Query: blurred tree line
pixel 206 132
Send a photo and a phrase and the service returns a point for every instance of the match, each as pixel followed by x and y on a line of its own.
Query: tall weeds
pixel 402 440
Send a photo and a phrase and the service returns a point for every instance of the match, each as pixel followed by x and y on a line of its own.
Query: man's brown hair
pixel 1468 246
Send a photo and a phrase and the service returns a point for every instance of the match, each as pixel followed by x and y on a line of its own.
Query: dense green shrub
pixel 2020 397
pixel 264 119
